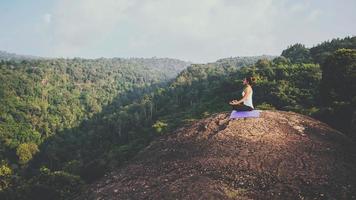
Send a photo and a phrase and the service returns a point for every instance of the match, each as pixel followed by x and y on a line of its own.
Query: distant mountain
pixel 154 63
pixel 150 62
pixel 243 61
pixel 16 57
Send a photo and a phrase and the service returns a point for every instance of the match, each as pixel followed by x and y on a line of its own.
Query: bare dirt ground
pixel 281 155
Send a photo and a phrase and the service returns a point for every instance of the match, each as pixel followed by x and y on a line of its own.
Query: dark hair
pixel 251 80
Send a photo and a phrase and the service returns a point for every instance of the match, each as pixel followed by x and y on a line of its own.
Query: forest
pixel 65 123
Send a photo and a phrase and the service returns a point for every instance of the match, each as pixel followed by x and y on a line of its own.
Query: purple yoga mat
pixel 244 114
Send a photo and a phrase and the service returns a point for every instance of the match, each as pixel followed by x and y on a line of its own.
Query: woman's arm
pixel 247 92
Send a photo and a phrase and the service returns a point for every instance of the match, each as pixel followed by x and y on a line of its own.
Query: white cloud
pixel 47 18
pixel 206 30
pixel 80 24
pixel 198 30
pixel 314 15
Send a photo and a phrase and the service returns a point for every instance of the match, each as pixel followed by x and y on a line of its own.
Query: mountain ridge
pixel 238 60
pixel 4 55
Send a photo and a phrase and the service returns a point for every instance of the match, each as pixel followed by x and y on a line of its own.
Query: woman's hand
pixel 234 102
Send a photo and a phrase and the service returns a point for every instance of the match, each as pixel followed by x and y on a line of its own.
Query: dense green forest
pixel 40 98
pixel 64 123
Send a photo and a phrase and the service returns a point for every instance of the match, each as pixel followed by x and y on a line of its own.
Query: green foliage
pixel 338 89
pixel 5 175
pixel 72 167
pixel 26 151
pixel 237 62
pixel 39 98
pixel 48 102
pixel 52 185
pixel 327 48
pixel 297 53
pixel 263 63
pixel 339 77
pixel 159 126
pixel 281 60
pixel 265 106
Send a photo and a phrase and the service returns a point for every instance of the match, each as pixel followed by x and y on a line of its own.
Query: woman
pixel 245 104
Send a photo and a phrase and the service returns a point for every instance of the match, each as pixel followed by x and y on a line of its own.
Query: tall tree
pixel 339 77
pixel 297 53
pixel 338 88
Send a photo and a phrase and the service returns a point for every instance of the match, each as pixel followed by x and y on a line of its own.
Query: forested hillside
pixel 56 112
pixel 65 123
pixel 40 98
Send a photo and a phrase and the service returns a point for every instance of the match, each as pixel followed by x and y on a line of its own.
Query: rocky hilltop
pixel 281 155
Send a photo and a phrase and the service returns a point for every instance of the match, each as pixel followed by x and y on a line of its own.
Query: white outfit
pixel 248 101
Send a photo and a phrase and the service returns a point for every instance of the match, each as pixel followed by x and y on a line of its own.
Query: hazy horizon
pixel 196 31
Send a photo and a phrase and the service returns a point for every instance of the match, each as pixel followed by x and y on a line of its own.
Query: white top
pixel 248 101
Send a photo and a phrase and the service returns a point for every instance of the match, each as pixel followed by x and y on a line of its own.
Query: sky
pixel 192 30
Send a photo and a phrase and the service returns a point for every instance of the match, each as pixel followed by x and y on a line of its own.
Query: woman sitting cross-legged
pixel 245 103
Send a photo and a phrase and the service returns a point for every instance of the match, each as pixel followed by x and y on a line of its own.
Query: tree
pixel 26 151
pixel 325 49
pixel 281 60
pixel 263 63
pixel 159 126
pixel 339 77
pixel 297 53
pixel 5 175
pixel 52 185
pixel 338 89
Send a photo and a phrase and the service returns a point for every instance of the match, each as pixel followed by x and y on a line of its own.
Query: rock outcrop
pixel 281 155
